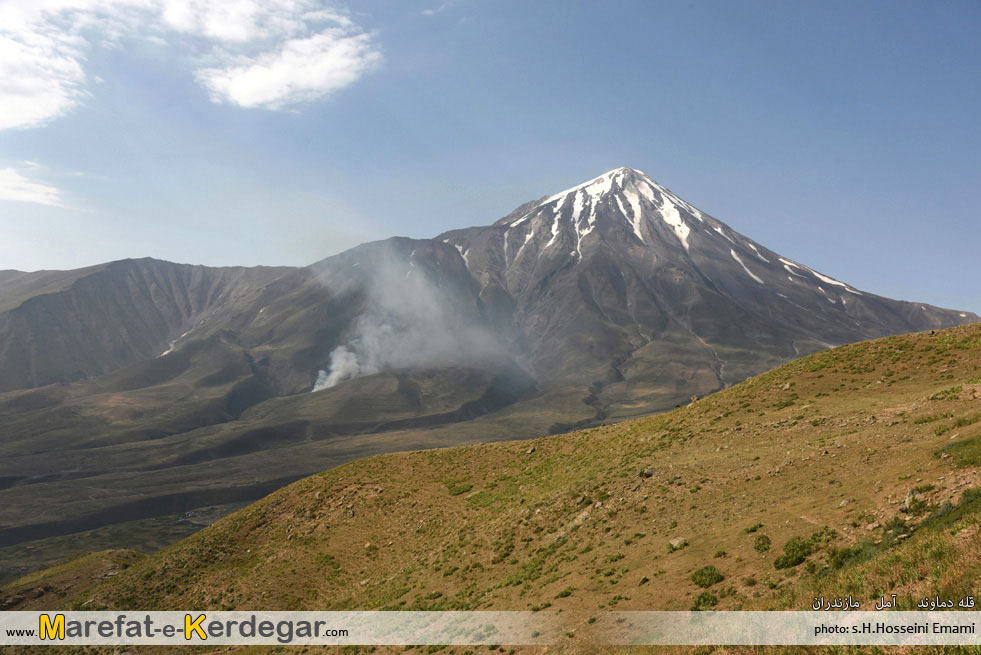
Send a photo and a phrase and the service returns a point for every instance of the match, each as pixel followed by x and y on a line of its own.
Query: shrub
pixel 795 551
pixel 860 552
pixel 706 600
pixel 707 576
pixel 458 489
pixel 762 543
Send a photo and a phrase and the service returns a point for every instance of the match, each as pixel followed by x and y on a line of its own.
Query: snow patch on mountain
pixel 757 252
pixel 594 188
pixel 831 280
pixel 787 265
pixel 671 216
pixel 463 253
pixel 722 232
pixel 745 268
pixel 634 201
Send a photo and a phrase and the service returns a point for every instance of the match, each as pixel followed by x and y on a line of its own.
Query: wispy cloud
pixel 253 53
pixel 16 184
pixel 437 10
pixel 298 70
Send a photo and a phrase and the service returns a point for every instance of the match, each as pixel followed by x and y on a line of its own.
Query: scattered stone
pixel 678 544
pixel 911 497
pixel 843 503
pixel 872 526
pixel 11 602
pixel 645 580
pixel 646 473
pixel 786 387
pixel 530 451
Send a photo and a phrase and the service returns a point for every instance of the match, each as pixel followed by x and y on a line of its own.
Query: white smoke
pixel 344 365
pixel 410 321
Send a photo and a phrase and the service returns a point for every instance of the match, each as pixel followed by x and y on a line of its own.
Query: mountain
pixel 63 326
pixel 141 388
pixel 852 471
pixel 621 282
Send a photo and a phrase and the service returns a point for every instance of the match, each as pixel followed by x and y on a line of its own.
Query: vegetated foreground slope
pixel 844 471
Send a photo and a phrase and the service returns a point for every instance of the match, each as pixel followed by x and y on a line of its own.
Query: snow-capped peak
pixel 628 192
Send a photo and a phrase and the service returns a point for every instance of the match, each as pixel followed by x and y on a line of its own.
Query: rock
pixel 530 451
pixel 582 500
pixel 872 526
pixel 786 387
pixel 10 602
pixel 911 497
pixel 678 544
pixel 843 503
pixel 646 473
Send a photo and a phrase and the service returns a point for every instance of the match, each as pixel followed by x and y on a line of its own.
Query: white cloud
pixel 299 70
pixel 37 83
pixel 253 53
pixel 16 185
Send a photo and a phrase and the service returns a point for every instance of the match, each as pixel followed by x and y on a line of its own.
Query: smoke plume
pixel 413 317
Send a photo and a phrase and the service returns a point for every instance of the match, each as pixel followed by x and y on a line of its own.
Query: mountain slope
pixel 603 278
pixel 851 450
pixel 64 326
pixel 191 386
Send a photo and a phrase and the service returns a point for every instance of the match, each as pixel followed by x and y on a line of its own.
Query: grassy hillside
pixel 851 470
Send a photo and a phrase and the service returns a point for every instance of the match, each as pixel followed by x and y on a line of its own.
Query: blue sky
pixel 844 135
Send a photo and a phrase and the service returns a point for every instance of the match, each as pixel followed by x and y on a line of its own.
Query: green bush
pixel 457 489
pixel 860 552
pixel 795 551
pixel 706 600
pixel 707 576
pixel 762 543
